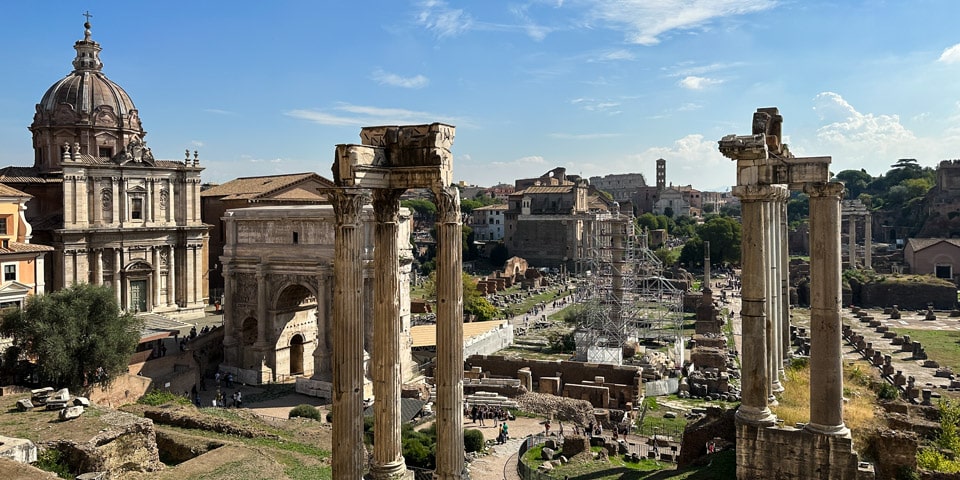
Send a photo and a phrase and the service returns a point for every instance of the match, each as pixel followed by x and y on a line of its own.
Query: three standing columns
pixel 348 450
pixel 826 366
pixel 449 369
pixel 754 409
pixel 388 461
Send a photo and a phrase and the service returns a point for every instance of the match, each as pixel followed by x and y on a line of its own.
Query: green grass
pixel 940 345
pixel 722 466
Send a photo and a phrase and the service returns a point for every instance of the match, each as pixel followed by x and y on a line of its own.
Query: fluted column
pixel 773 321
pixel 115 203
pixel 784 285
pixel 117 283
pixel 388 462
pixel 172 277
pixel 826 366
pixel 156 277
pixel 851 240
pixel 755 382
pixel 229 327
pixel 98 265
pixel 348 450
pixel 867 242
pixel 449 377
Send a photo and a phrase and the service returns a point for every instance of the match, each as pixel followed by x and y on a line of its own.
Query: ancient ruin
pixel 766 172
pixel 389 161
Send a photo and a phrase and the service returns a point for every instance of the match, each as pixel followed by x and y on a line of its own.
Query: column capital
pixel 824 189
pixel 448 203
pixel 386 204
pixel 347 204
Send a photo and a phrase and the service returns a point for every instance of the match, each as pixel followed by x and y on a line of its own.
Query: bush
pixel 473 440
pixel 156 398
pixel 305 411
pixel 885 391
pixel 51 460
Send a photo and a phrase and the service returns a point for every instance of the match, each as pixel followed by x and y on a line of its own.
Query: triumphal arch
pixel 278 300
pixel 766 173
pixel 389 161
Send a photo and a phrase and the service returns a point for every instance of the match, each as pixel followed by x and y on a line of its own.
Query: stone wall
pixel 912 296
pixel 623 382
pixel 789 453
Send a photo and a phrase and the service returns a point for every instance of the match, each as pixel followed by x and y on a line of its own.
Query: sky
pixel 596 86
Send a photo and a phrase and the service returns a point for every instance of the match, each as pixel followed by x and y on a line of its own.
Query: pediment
pixel 14 287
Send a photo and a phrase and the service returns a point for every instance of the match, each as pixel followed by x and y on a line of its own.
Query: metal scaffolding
pixel 626 298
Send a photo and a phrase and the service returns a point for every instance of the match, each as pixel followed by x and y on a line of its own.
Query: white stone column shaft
pixel 867 241
pixel 172 277
pixel 851 240
pixel 388 462
pixel 826 365
pixel 39 273
pixel 449 377
pixel 231 356
pixel 755 383
pixel 117 283
pixel 348 450
pixel 784 285
pixel 98 266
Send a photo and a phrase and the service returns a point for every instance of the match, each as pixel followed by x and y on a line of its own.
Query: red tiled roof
pixel 250 188
pixel 17 247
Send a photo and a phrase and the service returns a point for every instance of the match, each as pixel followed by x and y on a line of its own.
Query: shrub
pixel 51 460
pixel 305 411
pixel 473 440
pixel 885 391
pixel 156 398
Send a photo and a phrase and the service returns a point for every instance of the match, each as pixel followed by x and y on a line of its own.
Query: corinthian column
pixel 784 285
pixel 852 240
pixel 387 453
pixel 755 376
pixel 867 241
pixel 348 450
pixel 449 376
pixel 826 366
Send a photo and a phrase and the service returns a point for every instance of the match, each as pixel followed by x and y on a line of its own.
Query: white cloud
pixel 522 162
pixel 689 107
pixel 394 80
pixel 950 54
pixel 196 143
pixel 646 21
pixel 851 130
pixel 438 17
pixel 219 111
pixel 698 83
pixel 593 105
pixel 252 159
pixel 613 56
pixel 345 114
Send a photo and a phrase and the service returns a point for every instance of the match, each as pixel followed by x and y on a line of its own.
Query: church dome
pixel 86 95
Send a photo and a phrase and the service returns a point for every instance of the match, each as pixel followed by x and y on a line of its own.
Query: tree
pixel 474 303
pixel 723 233
pixel 499 255
pixel 74 337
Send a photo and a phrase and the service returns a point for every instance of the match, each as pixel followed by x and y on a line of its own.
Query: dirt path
pixel 500 463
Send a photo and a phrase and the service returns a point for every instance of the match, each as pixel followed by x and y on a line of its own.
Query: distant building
pixel 488 222
pixel 548 219
pixel 271 190
pixel 933 256
pixel 113 213
pixel 672 200
pixel 22 262
pixel 623 187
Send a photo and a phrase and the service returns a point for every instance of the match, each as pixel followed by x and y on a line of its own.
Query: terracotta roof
pixel 426 335
pixel 250 188
pixel 8 191
pixel 921 243
pixel 17 247
pixel 547 189
pixel 498 206
pixel 26 175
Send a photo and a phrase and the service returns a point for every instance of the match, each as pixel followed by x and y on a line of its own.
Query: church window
pixel 296 238
pixel 136 208
pixel 105 152
pixel 9 272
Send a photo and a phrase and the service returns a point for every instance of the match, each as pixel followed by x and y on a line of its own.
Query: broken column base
pixel 785 452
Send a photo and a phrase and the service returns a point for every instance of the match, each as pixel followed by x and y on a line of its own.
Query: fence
pixel 527 473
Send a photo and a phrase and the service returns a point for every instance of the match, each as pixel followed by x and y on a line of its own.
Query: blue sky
pixel 598 86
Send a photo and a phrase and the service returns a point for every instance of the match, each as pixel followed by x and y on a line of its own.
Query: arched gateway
pixel 278 294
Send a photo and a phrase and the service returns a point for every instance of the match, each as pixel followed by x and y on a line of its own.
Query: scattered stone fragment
pixel 70 413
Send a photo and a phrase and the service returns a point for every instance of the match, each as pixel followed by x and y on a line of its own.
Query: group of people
pixel 487 412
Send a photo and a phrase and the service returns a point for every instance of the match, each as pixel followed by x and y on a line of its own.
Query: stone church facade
pixel 114 214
